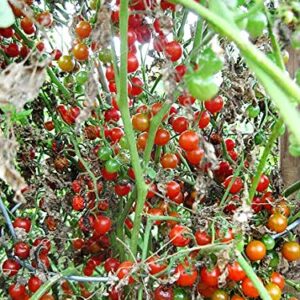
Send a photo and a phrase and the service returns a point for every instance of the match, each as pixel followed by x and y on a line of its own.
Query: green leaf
pixel 222 8
pixel 151 173
pixel 209 63
pixel 7 17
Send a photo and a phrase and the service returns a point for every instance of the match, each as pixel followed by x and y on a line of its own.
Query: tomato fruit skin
pixel 34 283
pixel 278 279
pixel 249 289
pixel 214 105
pixel 203 117
pixel 10 267
pixel 16 291
pixel 205 290
pixel 12 50
pixel 81 52
pixel 173 50
pixel 132 63
pixel 169 161
pixel 78 203
pixel 137 85
pixel 105 153
pixel 163 293
pixel 141 122
pixel 22 250
pixel 236 186
pixel 172 189
pixel 274 291
pixel 102 224
pixel 277 222
pixel 162 137
pixel 24 223
pixel 124 269
pixel 256 250
pixel 189 140
pixel 202 238
pixel 235 272
pixel 177 237
pixel 155 267
pixel 219 295
pixel 180 124
pixel 187 275
pixel 111 264
pixel 291 251
pixel 263 183
pixel 112 165
pixel 268 241
pixel 194 157
pixel 83 29
pixel 66 63
pixel 210 277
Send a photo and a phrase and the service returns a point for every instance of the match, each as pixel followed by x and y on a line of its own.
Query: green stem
pixel 155 122
pixel 197 40
pixel 291 189
pixel 253 277
pixel 180 33
pixel 258 57
pixel 57 82
pixel 125 114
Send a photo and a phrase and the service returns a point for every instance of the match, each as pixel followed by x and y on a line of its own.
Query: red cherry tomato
pixel 215 105
pixel 177 236
pixel 187 274
pixel 210 277
pixel 235 272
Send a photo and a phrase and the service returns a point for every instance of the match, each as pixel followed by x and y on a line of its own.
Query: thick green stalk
pixel 231 31
pixel 124 109
pixel 253 277
pixel 197 40
pixel 155 122
pixel 291 189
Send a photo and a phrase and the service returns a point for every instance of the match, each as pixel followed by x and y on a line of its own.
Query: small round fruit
pixel 291 251
pixel 249 289
pixel 83 29
pixel 66 63
pixel 274 291
pixel 277 222
pixel 256 250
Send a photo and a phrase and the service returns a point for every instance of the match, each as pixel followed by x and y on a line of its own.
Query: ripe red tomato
pixel 263 183
pixel 177 236
pixel 187 274
pixel 169 161
pixel 215 105
pixel 189 140
pixel 24 223
pixel 256 250
pixel 10 267
pixel 137 85
pixel 108 176
pixel 249 289
pixel 111 264
pixel 202 238
pixel 12 50
pixel 16 291
pixel 180 124
pixel 277 222
pixel 78 244
pixel 236 186
pixel 291 251
pixel 210 276
pixel 142 140
pixel 205 290
pixel 194 157
pixel 7 32
pixel 163 293
pixel 132 63
pixel 34 283
pixel 124 271
pixel 141 122
pixel 186 100
pixel 162 137
pixel 83 29
pixel 173 50
pixel 172 189
pixel 278 279
pixel 154 266
pixel 158 212
pixel 131 37
pixel 180 72
pixel 230 144
pixel 203 118
pixel 45 19
pixel 235 272
pixel 102 224
pixel 122 189
pixel 22 250
pixel 43 243
pixel 81 52
pixel 27 25
pixel 78 203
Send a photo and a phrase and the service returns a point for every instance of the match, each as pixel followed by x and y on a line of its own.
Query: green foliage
pixel 7 17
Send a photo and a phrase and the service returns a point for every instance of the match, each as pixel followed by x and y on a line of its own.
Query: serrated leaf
pixel 209 63
pixel 7 17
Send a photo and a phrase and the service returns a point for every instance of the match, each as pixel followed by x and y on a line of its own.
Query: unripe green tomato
pixel 274 259
pixel 202 88
pixel 79 89
pixel 180 294
pixel 81 77
pixel 69 81
pixel 124 143
pixel 294 150
pixel 268 241
pixel 285 56
pixel 112 165
pixel 256 24
pixel 105 56
pixel 295 39
pixel 288 17
pixel 105 153
pixel 253 111
pixel 259 138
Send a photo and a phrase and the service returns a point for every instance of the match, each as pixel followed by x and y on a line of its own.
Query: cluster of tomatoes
pixel 182 258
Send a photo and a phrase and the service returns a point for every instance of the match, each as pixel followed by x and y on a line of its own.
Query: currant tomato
pixel 81 52
pixel 154 266
pixel 173 50
pixel 12 50
pixel 249 289
pixel 194 157
pixel 189 140
pixel 137 85
pixel 277 222
pixel 186 100
pixel 210 277
pixel 278 279
pixel 111 264
pixel 219 295
pixel 10 267
pixel 256 250
pixel 269 241
pixel 78 203
pixel 180 124
pixel 24 223
pixel 263 183
pixel 34 283
pixel 66 63
pixel 202 238
pixel 122 189
pixel 215 105
pixel 83 29
pixel 205 290
pixel 172 189
pixel 162 137
pixel 22 250
pixel 235 272
pixel 169 161
pixel 203 118
pixel 102 224
pixel 141 122
pixel 124 271
pixel 236 186
pixel 274 291
pixel 16 291
pixel 177 236
pixel 187 274
pixel 45 19
pixel 132 63
pixel 163 293
pixel 291 251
